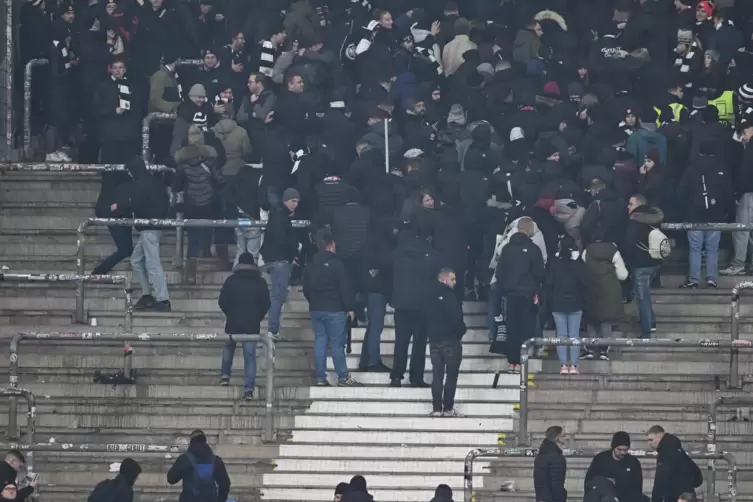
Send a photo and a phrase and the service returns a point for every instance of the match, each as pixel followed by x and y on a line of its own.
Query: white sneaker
pixel 64 157
pixel 435 414
pixel 451 413
pixel 53 157
pixel 733 271
pixel 564 370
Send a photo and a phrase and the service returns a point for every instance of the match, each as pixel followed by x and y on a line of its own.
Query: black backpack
pixel 103 492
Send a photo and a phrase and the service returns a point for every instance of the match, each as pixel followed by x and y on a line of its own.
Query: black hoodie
pixel 183 470
pixel 520 270
pixel 244 299
pixel 326 285
pixel 143 197
pixel 676 472
pixel 642 221
pixel 549 471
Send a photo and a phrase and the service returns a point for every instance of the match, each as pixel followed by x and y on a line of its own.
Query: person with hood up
pixel 604 303
pixel 443 493
pixel 550 468
pixel 618 464
pixel 676 472
pixel 358 491
pixel 566 285
pixel 145 197
pixel 414 265
pixel 706 189
pixel 197 178
pixel 13 464
pixel 244 299
pixel 237 146
pixel 118 489
pixel 445 327
pixel 605 216
pixel 194 111
pixel 519 273
pixel 643 268
pixel 452 54
pixel 203 473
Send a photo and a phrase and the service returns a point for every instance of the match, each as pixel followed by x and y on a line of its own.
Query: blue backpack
pixel 201 486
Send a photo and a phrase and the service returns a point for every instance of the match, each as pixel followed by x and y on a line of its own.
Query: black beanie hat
pixel 620 438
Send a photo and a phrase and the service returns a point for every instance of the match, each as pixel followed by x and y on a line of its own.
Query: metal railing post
pixel 269 429
pixel 71 167
pixel 80 316
pixel 9 76
pixel 734 361
pixel 31 420
pixel 525 352
pixel 146 131
pixel 179 235
pixel 27 102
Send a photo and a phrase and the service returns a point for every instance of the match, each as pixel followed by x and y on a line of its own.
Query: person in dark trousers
pixel 617 463
pixel 145 197
pixel 520 272
pixel 445 328
pixel 120 488
pixel 414 268
pixel 203 473
pixel 676 472
pixel 279 251
pixel 13 464
pixel 643 268
pixel 244 299
pixel 550 468
pixel 332 301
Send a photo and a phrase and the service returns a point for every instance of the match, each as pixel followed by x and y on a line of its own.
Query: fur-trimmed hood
pixel 195 154
pixel 550 15
pixel 648 215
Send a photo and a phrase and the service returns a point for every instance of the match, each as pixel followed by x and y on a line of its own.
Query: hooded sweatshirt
pixel 183 470
pixel 143 197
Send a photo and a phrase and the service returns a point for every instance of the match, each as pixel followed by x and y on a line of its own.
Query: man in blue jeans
pixel 244 299
pixel 332 304
pixel 643 219
pixel 280 250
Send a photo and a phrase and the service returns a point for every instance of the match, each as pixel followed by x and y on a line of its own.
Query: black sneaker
pixel 689 285
pixel 323 383
pixel 163 306
pixel 396 382
pixel 224 381
pixel 145 302
pixel 420 385
pixel 377 368
pixel 712 284
pixel 248 394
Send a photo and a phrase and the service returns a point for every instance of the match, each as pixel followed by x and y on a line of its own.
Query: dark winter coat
pixel 375 138
pixel 706 190
pixel 183 470
pixel 600 489
pixel 164 95
pixel 603 290
pixel 676 472
pixel 9 475
pixel 280 240
pixel 651 185
pixel 326 285
pixel 195 175
pixel 566 284
pixel 302 23
pixel 117 489
pixel 627 474
pixel 605 218
pixel 449 238
pixel 443 314
pixel 520 269
pixel 415 265
pixel 246 193
pixel 143 197
pixel 112 126
pixel 549 471
pixel 350 228
pixel 642 220
pixel 332 192
pixel 244 299
pixel 642 140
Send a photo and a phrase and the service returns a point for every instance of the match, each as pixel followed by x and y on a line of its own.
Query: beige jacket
pixel 452 55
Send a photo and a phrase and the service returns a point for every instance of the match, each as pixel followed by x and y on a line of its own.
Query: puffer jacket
pixel 237 145
pixel 549 472
pixel 195 173
pixel 570 214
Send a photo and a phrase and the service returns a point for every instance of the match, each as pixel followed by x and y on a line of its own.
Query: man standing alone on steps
pixel 203 473
pixel 445 328
pixel 550 468
pixel 244 299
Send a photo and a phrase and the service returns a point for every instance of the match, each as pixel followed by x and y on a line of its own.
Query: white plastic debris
pixel 115 467
pixel 51 441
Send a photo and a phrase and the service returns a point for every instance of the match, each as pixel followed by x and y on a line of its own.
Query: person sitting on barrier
pixel 13 464
pixel 244 299
pixel 617 464
pixel 120 488
pixel 676 472
pixel 203 473
pixel 145 197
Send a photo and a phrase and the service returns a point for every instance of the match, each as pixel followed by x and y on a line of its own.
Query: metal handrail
pixel 719 227
pixel 146 130
pixel 27 102
pixel 156 223
pixel 73 167
pixel 532 452
pixel 95 447
pixel 80 279
pixel 734 376
pixel 269 434
pixel 31 425
pixel 648 343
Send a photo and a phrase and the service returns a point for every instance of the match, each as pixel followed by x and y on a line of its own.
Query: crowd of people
pixel 522 153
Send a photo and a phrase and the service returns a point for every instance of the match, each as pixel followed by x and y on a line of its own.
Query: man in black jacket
pixel 244 299
pixel 617 464
pixel 643 268
pixel 606 215
pixel 676 473
pixel 520 271
pixel 414 269
pixel 145 197
pixel 201 471
pixel 331 304
pixel 120 488
pixel 279 251
pixel 445 328
pixel 13 464
pixel 550 468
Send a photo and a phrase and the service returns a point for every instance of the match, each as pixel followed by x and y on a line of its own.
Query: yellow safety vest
pixel 726 107
pixel 677 109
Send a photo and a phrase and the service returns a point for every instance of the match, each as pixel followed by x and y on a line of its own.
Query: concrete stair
pixel 326 435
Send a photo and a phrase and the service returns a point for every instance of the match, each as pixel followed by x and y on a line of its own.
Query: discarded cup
pixel 93 321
